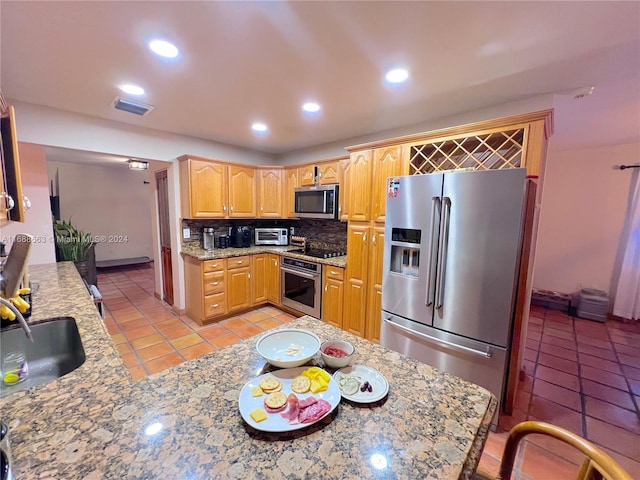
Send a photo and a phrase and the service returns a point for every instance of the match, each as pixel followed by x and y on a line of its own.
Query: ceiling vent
pixel 132 107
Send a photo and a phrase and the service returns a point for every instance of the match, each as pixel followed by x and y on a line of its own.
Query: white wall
pixel 58 128
pixel 111 203
pixel 33 168
pixel 584 203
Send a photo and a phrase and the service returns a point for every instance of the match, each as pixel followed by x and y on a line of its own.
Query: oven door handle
pixel 487 354
pixel 311 276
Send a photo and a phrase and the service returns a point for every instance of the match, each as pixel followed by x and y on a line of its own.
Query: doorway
pixel 165 236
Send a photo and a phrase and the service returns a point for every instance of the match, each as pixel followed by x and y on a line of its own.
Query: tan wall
pixel 33 168
pixel 583 210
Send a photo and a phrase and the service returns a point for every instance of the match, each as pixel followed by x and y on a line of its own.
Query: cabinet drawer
pixel 336 273
pixel 213 282
pixel 213 265
pixel 214 305
pixel 237 262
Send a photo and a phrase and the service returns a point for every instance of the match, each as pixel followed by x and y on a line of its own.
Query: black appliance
pixel 321 252
pixel 240 237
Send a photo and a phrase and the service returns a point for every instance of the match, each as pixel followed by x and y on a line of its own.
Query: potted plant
pixel 74 245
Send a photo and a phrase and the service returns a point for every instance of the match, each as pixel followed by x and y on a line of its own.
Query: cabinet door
pixel 291 182
pixel 238 289
pixel 387 162
pixel 360 188
pixel 344 170
pixel 355 293
pixel 328 173
pixel 269 193
pixel 4 214
pixel 333 295
pixel 242 192
pixel 206 189
pixel 273 278
pixel 306 175
pixel 374 276
pixel 258 278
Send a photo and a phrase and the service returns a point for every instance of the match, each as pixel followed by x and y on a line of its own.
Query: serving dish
pixel 289 347
pixel 275 422
pixel 379 384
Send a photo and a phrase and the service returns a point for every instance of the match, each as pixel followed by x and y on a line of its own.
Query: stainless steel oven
pixel 301 285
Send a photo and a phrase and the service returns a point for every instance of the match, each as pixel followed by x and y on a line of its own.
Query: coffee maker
pixel 208 238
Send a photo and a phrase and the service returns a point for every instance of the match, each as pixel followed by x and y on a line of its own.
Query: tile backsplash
pixel 316 231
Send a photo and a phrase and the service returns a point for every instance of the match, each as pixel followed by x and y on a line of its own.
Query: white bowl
pixel 337 362
pixel 288 348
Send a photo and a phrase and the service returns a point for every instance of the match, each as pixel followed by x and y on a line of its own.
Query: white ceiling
pixel 247 61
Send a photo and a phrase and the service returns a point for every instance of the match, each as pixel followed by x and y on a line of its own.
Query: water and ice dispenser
pixel 405 251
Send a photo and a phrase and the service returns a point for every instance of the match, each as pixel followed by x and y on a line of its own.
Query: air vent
pixel 131 106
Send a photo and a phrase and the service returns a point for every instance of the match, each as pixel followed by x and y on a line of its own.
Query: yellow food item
pixel 6 313
pixel 301 384
pixel 319 379
pixel 11 377
pixel 256 392
pixel 258 415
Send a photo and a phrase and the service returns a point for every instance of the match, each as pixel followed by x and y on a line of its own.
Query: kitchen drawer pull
pixel 487 354
pixel 333 273
pixel 215 305
pixel 214 283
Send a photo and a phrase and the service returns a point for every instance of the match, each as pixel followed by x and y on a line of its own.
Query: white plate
pixel 274 422
pixel 379 384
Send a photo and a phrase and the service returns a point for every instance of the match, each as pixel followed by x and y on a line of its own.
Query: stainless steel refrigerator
pixel 451 263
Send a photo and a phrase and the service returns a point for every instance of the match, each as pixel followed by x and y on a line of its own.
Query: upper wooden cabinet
pixel 242 192
pixel 291 182
pixel 360 186
pixel 12 201
pixel 307 175
pixel 270 192
pixel 203 188
pixel 387 162
pixel 322 173
pixel 344 170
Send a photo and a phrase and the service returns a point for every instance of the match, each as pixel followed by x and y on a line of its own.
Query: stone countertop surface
pixel 93 422
pixel 196 251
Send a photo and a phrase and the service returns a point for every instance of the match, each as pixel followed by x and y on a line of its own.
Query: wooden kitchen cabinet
pixel 272 278
pixel 291 182
pixel 258 278
pixel 355 285
pixel 205 289
pixel 332 295
pixel 374 284
pixel 360 186
pixel 238 283
pixel 242 192
pixel 322 173
pixel 344 171
pixel 203 188
pixel 270 192
pixel 387 162
pixel 307 175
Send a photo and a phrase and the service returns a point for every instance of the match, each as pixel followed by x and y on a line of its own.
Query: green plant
pixel 72 244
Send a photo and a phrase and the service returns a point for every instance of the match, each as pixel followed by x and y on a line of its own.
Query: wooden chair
pixel 597 464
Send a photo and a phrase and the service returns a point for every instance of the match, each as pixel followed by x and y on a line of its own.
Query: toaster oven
pixel 271 236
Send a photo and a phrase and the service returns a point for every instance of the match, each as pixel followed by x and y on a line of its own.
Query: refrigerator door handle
pixel 436 211
pixel 487 354
pixel 443 250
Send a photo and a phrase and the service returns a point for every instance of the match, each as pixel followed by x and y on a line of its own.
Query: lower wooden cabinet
pixel 258 278
pixel 332 295
pixel 272 277
pixel 205 289
pixel 238 283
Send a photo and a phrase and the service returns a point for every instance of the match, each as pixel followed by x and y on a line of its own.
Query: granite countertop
pixel 92 423
pixel 196 251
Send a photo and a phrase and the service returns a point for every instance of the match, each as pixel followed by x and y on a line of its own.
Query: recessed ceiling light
pixel 311 107
pixel 259 127
pixel 163 48
pixel 131 89
pixel 397 75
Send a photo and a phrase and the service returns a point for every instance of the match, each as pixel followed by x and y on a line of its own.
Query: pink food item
pixel 305 402
pixel 314 412
pixel 294 409
pixel 335 352
pixel 274 410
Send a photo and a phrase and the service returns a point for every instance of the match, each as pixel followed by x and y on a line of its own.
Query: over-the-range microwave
pixel 319 201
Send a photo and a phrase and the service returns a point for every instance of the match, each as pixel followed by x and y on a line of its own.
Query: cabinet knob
pixel 224 207
pixel 26 202
pixel 231 207
pixel 214 283
pixel 364 237
pixel 373 240
pixel 8 201
pixel 248 275
pixel 325 287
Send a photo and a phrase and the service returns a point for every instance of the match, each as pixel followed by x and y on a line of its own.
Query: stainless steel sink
pixel 57 350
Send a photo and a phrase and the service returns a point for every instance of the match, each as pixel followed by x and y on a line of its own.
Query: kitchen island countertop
pixel 94 422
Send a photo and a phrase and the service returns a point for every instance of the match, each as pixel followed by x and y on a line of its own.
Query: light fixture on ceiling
pixel 163 48
pixel 131 89
pixel 397 75
pixel 259 128
pixel 137 164
pixel 582 92
pixel 311 107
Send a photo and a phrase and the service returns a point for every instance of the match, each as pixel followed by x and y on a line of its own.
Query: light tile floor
pixel 581 375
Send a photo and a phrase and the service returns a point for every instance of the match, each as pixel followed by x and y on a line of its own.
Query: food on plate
pixel 349 385
pixel 256 391
pixel 270 385
pixel 335 352
pixel 275 402
pixel 366 387
pixel 258 415
pixel 301 384
pixel 292 350
pixel 307 410
pixel 293 409
pixel 319 379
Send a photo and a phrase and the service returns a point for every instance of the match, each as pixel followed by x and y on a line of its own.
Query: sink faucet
pixel 21 320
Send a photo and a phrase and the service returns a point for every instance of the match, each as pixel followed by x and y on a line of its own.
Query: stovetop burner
pixel 320 253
